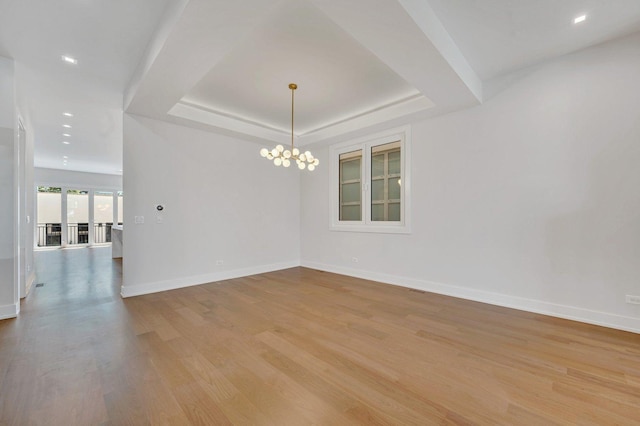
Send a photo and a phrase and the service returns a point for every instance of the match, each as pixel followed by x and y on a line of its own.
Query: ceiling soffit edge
pixel 391 111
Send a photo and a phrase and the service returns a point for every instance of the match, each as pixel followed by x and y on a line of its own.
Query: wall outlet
pixel 354 259
pixel 219 262
pixel 139 219
pixel 633 299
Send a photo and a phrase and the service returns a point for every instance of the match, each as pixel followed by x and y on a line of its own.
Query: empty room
pixel 288 212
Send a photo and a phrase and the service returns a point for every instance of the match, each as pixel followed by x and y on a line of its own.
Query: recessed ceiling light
pixel 66 135
pixel 70 60
pixel 579 19
pixel 67 114
pixel 65 157
pixel 66 142
pixel 66 126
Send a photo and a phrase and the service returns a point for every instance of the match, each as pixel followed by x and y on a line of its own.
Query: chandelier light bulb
pixel 282 156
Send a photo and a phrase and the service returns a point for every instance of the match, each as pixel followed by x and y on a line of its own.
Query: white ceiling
pixel 108 38
pixel 298 44
pixel 225 65
pixel 500 36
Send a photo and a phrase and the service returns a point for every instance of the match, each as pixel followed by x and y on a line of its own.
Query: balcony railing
pixel 78 233
pixel 50 234
pixel 102 233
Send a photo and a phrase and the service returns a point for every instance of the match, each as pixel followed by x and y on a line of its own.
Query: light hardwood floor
pixel 298 347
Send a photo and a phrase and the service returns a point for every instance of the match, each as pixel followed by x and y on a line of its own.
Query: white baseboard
pixel 530 305
pixel 9 311
pixel 140 289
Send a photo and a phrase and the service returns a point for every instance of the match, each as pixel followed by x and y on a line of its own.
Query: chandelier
pixel 283 157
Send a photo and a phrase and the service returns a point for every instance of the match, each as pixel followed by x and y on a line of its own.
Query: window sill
pixel 380 229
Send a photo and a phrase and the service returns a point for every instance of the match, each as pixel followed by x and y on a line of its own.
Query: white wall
pixel 26 193
pixel 9 305
pixel 531 200
pixel 77 180
pixel 222 202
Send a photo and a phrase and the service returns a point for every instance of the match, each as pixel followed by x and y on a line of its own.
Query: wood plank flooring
pixel 298 347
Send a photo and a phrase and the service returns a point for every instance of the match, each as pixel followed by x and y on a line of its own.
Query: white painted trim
pixel 30 280
pixel 202 115
pixel 154 287
pixel 9 311
pixel 393 110
pixel 366 144
pixel 603 319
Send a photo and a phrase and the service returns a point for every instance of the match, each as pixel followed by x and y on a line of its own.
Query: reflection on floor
pixel 84 276
pixel 52 355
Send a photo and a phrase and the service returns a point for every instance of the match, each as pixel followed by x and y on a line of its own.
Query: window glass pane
pixel 350 169
pixel 377 212
pixel 394 188
pixel 351 193
pixel 377 190
pixel 385 175
pixel 394 163
pixel 49 216
pixel 391 146
pixel 103 207
pixel 394 212
pixel 350 213
pixel 77 216
pixel 377 165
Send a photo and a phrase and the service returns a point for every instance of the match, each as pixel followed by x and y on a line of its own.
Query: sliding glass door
pixel 77 217
pixel 49 216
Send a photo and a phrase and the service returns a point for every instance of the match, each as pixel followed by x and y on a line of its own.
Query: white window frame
pixel 402 134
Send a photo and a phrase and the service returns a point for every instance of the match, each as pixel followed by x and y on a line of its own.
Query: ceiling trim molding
pixel 395 110
pixel 199 114
pixel 217 119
